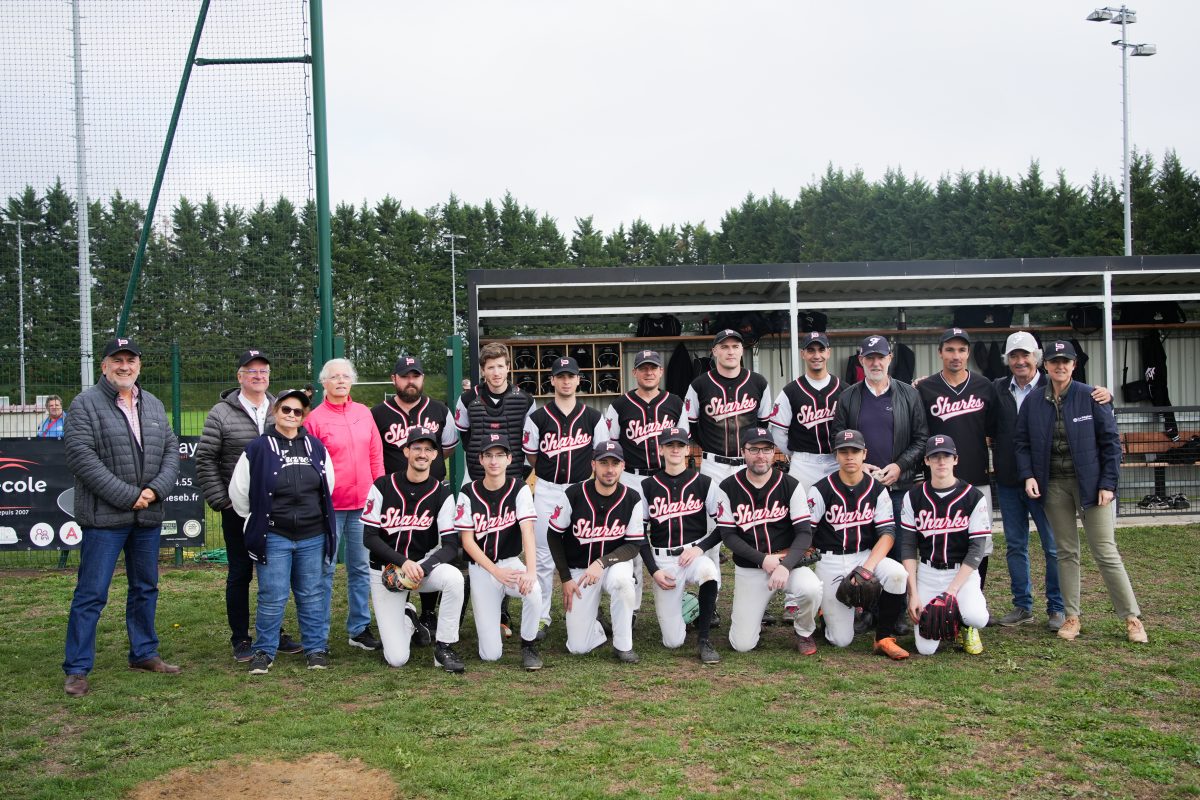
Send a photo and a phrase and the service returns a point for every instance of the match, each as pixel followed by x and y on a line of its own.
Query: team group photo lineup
pixel 866 505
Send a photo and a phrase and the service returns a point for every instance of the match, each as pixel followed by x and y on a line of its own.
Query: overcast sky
pixel 673 111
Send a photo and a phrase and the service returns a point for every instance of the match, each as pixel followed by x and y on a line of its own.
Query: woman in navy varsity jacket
pixel 282 486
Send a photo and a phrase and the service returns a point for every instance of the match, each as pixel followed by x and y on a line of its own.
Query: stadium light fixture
pixel 1124 17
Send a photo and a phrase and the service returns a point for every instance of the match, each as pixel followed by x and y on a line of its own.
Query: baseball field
pixel 1032 717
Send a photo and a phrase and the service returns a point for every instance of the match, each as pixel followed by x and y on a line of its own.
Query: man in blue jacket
pixel 125 459
pixel 1068 455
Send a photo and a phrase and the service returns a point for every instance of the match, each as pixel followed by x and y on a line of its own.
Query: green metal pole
pixel 454 373
pixel 139 257
pixel 321 148
pixel 176 415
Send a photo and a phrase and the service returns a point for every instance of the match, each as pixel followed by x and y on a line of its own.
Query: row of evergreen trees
pixel 218 277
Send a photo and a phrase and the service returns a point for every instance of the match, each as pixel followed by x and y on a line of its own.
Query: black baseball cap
pixel 118 344
pixel 608 449
pixel 407 364
pixel 755 434
pixel 495 440
pixel 564 364
pixel 252 355
pixel 1060 348
pixel 673 435
pixel 815 337
pixel 849 438
pixel 418 432
pixel 726 333
pixel 647 357
pixel 299 394
pixel 954 333
pixel 940 444
pixel 875 345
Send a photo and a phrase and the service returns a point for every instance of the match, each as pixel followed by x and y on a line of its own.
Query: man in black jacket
pixel 125 459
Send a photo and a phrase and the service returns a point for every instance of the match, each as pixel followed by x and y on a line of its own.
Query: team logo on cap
pixel 847 436
pixel 253 352
pixel 1059 346
pixel 562 362
pixel 122 342
pixel 410 360
pixel 957 331
pixel 874 340
pixel 939 440
pixel 645 354
pixel 609 447
pixel 814 335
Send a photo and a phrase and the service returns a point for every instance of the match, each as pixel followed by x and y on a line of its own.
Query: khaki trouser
pixel 1064 511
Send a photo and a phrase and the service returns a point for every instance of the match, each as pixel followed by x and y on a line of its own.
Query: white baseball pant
pixel 634 481
pixel 668 603
pixel 486 594
pixel 751 596
pixel 396 629
pixel 831 569
pixel 719 472
pixel 584 631
pixel 972 606
pixel 808 468
pixel 546 496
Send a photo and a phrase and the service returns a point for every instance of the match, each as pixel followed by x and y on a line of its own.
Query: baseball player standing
pixel 408 521
pixel 762 515
pixel 802 418
pixel 637 418
pixel 495 520
pixel 854 527
pixel 594 535
pixel 947 524
pixel 558 440
pixel 494 406
pixel 679 501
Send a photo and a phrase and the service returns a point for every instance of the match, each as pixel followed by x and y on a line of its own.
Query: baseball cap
pixel 673 435
pixel 418 432
pixel 814 337
pixel 755 434
pixel 299 394
pixel 565 364
pixel 495 440
pixel 608 449
pixel 1020 341
pixel 726 333
pixel 407 364
pixel 1061 349
pixel 940 444
pixel 118 344
pixel 849 438
pixel 874 345
pixel 954 333
pixel 647 357
pixel 250 355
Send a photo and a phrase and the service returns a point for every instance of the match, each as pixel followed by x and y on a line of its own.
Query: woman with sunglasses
pixel 282 486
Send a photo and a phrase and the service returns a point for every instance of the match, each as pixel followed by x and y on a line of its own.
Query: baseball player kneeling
pixel 593 536
pixel 679 503
pixel 947 524
pixel 762 515
pixel 408 527
pixel 854 530
pixel 495 520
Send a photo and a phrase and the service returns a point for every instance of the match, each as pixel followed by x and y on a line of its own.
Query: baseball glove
pixel 394 579
pixel 859 589
pixel 940 618
pixel 811 556
pixel 690 608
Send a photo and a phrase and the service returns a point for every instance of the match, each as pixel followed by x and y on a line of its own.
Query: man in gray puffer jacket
pixel 125 459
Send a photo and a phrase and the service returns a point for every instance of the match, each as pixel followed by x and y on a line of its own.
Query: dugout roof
pixel 622 294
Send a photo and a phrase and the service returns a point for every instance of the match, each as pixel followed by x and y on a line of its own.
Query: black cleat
pixel 445 657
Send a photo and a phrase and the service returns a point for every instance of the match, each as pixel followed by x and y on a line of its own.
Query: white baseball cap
pixel 1021 341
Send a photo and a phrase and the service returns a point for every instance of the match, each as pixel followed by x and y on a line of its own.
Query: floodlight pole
pixel 84 257
pixel 20 223
pixel 450 243
pixel 321 163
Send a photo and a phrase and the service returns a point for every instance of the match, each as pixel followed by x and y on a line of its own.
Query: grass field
pixel 1032 717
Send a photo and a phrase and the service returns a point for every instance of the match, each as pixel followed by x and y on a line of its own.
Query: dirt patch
pixel 321 776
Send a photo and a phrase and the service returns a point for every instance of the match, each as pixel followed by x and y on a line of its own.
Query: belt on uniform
pixel 931 565
pixel 637 471
pixel 733 461
pixel 669 551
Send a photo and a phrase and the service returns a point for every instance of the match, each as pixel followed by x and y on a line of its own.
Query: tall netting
pixel 231 261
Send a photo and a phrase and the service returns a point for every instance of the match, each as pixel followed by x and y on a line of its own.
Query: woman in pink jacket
pixel 348 431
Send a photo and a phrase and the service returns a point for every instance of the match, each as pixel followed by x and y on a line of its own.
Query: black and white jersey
pixel 770 519
pixel 563 442
pixel 945 521
pixel 636 425
pixel 494 517
pixel 849 519
pixel 393 423
pixel 719 408
pixel 414 519
pixel 678 507
pixel 967 414
pixel 803 415
pixel 592 525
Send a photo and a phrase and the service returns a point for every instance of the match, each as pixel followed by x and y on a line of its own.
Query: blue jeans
pixel 298 567
pixel 1015 510
pixel 358 573
pixel 98 554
